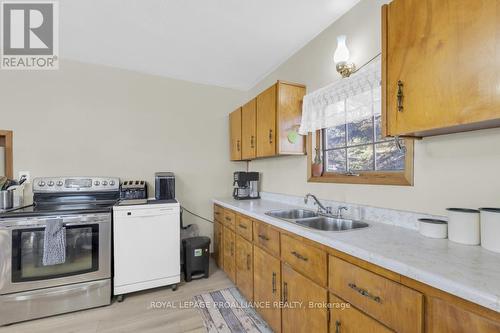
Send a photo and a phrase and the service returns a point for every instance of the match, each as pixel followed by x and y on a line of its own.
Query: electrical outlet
pixel 25 173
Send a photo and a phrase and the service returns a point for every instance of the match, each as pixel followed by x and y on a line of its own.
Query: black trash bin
pixel 196 257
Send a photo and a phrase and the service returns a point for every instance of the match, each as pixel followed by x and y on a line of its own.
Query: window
pixel 343 122
pixel 358 145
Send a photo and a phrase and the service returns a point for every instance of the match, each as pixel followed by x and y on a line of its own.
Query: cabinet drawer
pixel 304 258
pixel 244 227
pixel 229 219
pixel 267 238
pixel 347 319
pixel 218 213
pixel 398 307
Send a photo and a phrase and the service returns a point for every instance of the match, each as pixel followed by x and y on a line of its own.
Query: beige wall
pixel 94 120
pixel 453 170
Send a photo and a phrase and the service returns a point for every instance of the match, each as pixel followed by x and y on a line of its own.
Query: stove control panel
pixel 75 184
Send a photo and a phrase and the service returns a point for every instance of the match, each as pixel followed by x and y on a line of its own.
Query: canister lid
pixel 433 221
pixel 462 210
pixel 490 210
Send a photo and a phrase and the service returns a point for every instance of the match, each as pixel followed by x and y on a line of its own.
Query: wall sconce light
pixel 341 58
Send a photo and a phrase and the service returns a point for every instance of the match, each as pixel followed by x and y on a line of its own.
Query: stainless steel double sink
pixel 313 220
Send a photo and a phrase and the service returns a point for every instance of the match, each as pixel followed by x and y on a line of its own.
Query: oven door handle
pixel 73 221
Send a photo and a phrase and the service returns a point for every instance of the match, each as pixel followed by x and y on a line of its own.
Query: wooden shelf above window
pixel 6 142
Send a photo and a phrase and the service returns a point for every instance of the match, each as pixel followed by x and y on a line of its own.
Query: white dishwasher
pixel 146 243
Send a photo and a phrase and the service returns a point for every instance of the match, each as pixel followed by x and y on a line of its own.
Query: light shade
pixel 342 52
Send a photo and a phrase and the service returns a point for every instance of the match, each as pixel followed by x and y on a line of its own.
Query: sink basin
pixel 313 220
pixel 326 223
pixel 292 214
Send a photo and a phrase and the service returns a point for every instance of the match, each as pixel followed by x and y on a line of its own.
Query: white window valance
pixel 346 100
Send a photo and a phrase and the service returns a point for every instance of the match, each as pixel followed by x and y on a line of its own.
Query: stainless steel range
pixel 28 288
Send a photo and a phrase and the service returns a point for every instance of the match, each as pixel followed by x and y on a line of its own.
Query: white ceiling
pixel 228 43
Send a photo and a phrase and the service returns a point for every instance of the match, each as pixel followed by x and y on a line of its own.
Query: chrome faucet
pixel 339 211
pixel 321 208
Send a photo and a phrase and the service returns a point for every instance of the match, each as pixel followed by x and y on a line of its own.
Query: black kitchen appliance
pixel 246 185
pixel 134 190
pixel 164 186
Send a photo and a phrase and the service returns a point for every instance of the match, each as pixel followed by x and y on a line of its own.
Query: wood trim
pixel 385 121
pixel 291 83
pixel 404 178
pixel 6 140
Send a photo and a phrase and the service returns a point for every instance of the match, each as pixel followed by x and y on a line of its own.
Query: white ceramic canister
pixel 433 228
pixel 490 229
pixel 464 226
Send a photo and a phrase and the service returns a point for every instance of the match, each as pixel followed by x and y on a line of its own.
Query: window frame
pixel 401 178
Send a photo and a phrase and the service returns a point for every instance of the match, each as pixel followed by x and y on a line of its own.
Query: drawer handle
pixel 252 142
pixel 365 293
pixel 270 136
pixel 263 237
pixel 299 256
pixel 400 96
pixel 248 262
pixel 228 218
pixel 238 145
pixel 337 326
pixel 274 283
pixel 232 249
pixel 242 226
pixel 285 292
pixel 217 213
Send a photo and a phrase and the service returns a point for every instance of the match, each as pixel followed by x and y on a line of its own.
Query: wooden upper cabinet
pixel 266 123
pixel 289 114
pixel 269 124
pixel 235 134
pixel 443 56
pixel 248 130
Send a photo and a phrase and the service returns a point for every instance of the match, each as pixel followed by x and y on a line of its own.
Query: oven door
pixel 88 252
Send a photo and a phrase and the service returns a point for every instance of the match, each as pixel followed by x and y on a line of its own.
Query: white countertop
pixel 469 272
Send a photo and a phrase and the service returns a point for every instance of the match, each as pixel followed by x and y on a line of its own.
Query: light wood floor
pixel 134 313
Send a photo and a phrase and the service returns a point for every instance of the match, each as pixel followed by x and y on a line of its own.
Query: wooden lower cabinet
pixel 344 318
pixel 244 266
pixel 218 244
pixel 445 317
pixel 305 302
pixel 267 287
pixel 229 253
pixel 380 301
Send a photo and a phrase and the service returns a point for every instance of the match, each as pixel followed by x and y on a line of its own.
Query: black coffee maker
pixel 246 185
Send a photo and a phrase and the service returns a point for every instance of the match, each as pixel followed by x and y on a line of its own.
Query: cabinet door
pixel 347 319
pixel 266 123
pixel 444 317
pixel 298 295
pixel 229 253
pixel 267 286
pixel 218 244
pixel 446 55
pixel 248 123
pixel 244 267
pixel 288 115
pixel 235 134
